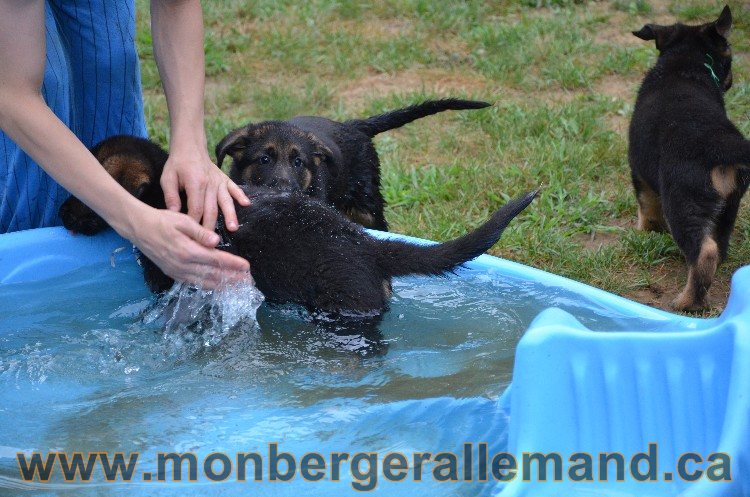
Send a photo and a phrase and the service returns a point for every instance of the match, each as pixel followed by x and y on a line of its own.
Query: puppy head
pixel 709 42
pixel 277 155
pixel 131 171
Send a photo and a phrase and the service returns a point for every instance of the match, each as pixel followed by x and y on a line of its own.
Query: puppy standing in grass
pixel 334 162
pixel 689 163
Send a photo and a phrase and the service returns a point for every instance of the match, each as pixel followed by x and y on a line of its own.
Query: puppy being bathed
pixel 300 250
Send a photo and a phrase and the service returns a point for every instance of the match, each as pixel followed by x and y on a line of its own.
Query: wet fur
pixel 134 162
pixel 305 252
pixel 689 163
pixel 332 161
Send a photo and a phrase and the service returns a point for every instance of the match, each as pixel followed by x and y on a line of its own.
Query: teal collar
pixel 710 66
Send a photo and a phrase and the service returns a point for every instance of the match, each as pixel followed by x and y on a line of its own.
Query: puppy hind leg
pixel 366 204
pixel 379 222
pixel 694 296
pixel 650 213
pixel 691 211
pixel 725 224
pixel 366 219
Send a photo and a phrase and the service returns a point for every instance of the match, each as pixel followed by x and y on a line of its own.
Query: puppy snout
pixel 65 209
pixel 283 184
pixel 75 216
pixel 67 213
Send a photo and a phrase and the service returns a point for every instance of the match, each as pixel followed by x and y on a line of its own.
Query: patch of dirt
pixel 670 278
pixel 604 238
pixel 380 29
pixel 597 240
pixel 622 89
pixel 558 95
pixel 660 7
pixel 355 93
pixel 242 26
pixel 617 123
pixel 217 88
pixel 380 84
pixel 618 30
pixel 620 25
pixel 615 86
pixel 611 86
pixel 450 51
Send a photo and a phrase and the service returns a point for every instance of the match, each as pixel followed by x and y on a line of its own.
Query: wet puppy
pixel 303 251
pixel 689 163
pixel 134 162
pixel 332 161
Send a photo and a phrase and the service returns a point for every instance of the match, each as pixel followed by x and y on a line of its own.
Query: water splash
pixel 187 313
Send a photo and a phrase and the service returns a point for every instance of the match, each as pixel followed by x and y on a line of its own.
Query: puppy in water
pixel 689 163
pixel 332 161
pixel 301 250
pixel 134 163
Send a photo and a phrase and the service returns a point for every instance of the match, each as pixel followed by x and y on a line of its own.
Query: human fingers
pixel 203 236
pixel 227 208
pixel 195 189
pixel 238 193
pixel 171 187
pixel 210 207
pixel 205 253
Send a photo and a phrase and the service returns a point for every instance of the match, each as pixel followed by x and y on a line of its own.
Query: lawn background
pixel 563 76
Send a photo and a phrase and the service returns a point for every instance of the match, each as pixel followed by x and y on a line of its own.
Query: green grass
pixel 633 6
pixel 563 74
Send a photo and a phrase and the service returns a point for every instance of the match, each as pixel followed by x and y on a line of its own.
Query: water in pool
pixel 82 370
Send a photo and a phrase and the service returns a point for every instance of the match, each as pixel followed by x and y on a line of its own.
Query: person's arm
pixel 177 244
pixel 177 29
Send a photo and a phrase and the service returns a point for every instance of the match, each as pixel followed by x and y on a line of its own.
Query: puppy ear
pixel 321 153
pixel 324 155
pixel 723 24
pixel 232 144
pixel 662 34
pixel 646 32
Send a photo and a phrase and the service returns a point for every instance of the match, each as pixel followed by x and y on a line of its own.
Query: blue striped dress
pixel 92 83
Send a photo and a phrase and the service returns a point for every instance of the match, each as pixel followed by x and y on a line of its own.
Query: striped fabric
pixel 92 83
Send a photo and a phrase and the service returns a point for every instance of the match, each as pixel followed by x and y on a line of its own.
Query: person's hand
pixel 185 250
pixel 206 186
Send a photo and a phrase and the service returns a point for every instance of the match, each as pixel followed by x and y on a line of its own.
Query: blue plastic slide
pixel 661 398
pixel 686 390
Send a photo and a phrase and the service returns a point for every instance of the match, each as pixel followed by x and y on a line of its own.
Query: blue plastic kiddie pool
pixel 677 392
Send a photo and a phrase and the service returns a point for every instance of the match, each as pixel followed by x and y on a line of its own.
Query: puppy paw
pixel 686 302
pixel 642 224
pixel 78 218
pixel 646 224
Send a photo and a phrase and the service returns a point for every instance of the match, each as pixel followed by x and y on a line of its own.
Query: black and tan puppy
pixel 134 162
pixel 689 163
pixel 332 161
pixel 305 252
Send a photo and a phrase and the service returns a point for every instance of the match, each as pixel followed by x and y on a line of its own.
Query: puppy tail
pixel 400 259
pixel 397 118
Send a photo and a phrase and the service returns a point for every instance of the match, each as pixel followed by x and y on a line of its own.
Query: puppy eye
pixel 264 159
pixel 297 162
